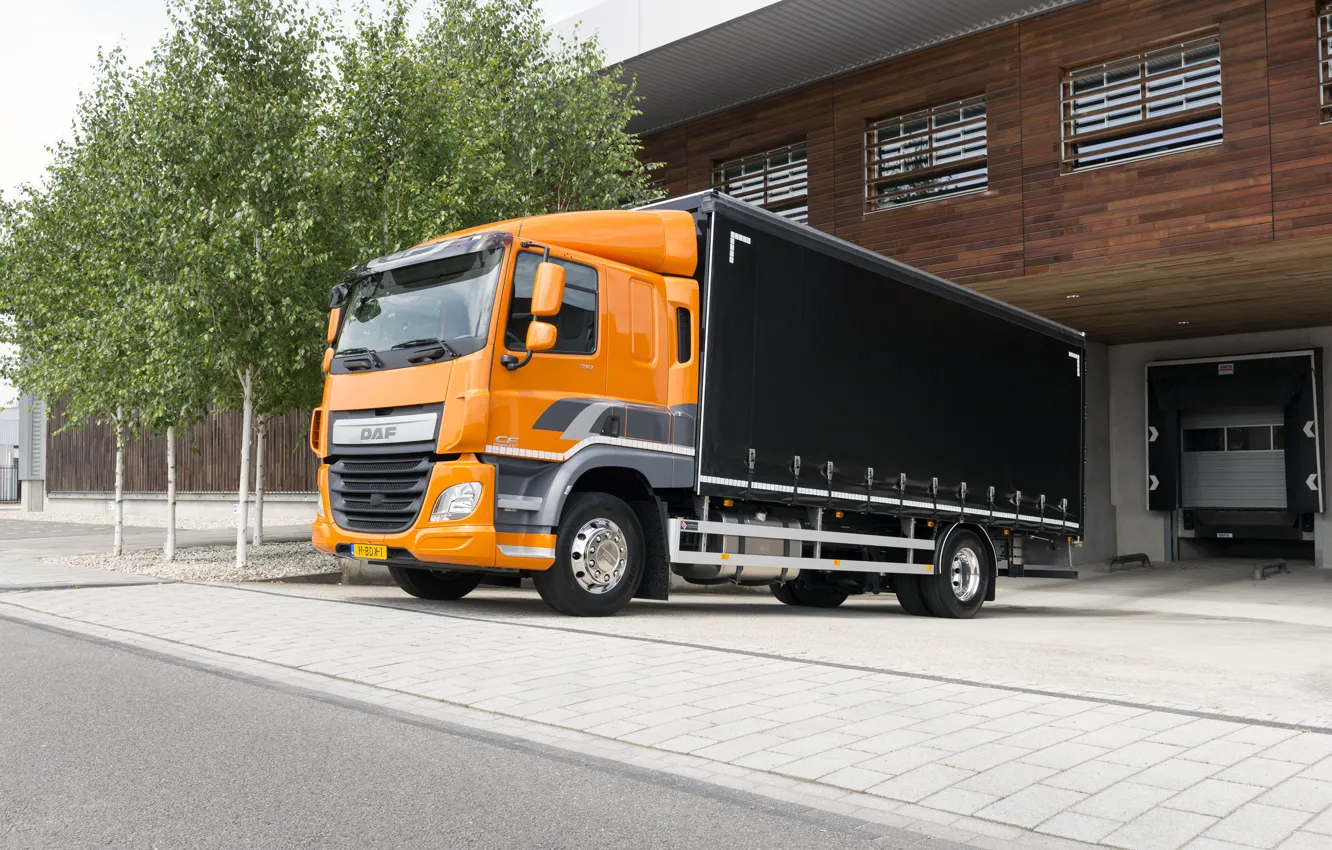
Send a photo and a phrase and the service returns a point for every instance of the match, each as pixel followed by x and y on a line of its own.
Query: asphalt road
pixel 102 746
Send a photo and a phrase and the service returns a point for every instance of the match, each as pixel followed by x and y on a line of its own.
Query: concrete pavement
pixel 1202 637
pixel 104 747
pixel 987 766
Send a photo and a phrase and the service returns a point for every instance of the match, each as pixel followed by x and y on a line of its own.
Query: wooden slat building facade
pixel 1133 250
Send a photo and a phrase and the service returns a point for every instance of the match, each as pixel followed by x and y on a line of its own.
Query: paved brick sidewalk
pixel 990 766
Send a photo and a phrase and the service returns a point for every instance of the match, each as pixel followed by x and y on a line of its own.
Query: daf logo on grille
pixel 408 428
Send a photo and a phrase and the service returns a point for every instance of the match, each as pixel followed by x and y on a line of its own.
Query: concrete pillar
pixel 32 495
pixel 32 453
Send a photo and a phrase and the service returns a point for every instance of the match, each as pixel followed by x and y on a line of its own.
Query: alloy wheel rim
pixel 599 554
pixel 965 574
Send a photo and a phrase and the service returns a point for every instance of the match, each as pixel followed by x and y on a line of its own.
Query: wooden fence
pixel 83 460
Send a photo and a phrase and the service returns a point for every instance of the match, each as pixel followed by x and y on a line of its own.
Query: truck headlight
pixel 456 502
pixel 319 507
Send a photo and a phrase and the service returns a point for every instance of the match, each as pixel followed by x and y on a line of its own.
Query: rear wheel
pixel 790 593
pixel 783 593
pixel 961 579
pixel 434 584
pixel 599 557
pixel 909 595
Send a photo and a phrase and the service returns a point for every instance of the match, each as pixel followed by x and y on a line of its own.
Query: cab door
pixel 543 409
pixel 639 353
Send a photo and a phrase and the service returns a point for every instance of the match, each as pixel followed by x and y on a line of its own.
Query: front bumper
pixel 471 542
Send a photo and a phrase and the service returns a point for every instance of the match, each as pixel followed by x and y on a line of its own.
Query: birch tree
pixel 246 82
pixel 76 325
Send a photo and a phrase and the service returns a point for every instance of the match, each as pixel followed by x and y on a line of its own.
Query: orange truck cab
pixel 477 381
pixel 522 400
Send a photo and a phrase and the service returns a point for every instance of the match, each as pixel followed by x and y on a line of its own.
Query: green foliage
pixel 70 284
pixel 187 233
pixel 244 83
pixel 479 118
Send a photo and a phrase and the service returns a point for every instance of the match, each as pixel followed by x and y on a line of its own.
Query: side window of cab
pixel 576 323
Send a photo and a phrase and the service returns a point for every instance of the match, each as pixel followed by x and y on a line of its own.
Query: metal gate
pixel 1233 458
pixel 9 484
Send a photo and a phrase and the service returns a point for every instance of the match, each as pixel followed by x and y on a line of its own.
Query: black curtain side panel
pixel 866 374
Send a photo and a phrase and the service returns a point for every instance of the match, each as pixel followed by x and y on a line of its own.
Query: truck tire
pixel 910 596
pixel 783 593
pixel 961 579
pixel 809 597
pixel 599 558
pixel 434 584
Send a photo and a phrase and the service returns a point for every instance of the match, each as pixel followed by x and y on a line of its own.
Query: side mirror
pixel 541 335
pixel 334 320
pixel 337 296
pixel 547 291
pixel 328 359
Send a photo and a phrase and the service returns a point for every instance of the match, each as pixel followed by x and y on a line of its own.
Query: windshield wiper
pixel 374 358
pixel 441 348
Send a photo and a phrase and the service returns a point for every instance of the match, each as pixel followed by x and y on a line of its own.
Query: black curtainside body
pixel 833 376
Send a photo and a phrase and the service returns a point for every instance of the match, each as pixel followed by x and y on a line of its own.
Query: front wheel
pixel 434 584
pixel 961 579
pixel 599 557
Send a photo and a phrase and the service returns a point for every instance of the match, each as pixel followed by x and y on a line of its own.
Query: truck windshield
pixel 447 300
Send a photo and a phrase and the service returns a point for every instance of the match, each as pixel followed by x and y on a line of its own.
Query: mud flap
pixel 656 583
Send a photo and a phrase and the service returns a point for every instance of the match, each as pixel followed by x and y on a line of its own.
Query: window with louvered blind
pixel 1154 103
pixel 924 155
pixel 1325 60
pixel 777 180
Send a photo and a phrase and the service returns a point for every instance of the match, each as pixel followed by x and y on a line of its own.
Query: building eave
pixel 794 43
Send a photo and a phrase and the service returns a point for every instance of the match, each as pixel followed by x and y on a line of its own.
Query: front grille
pixel 382 495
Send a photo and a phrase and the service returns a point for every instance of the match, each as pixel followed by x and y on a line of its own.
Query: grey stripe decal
pixel 584 424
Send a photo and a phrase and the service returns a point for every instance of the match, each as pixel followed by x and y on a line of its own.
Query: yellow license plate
pixel 370 551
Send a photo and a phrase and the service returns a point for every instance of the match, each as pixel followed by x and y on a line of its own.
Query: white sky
pixel 50 47
pixel 49 51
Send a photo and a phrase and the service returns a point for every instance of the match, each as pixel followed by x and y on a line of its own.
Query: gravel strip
pixel 135 520
pixel 214 563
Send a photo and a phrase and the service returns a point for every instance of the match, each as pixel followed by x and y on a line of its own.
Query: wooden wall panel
pixel 81 460
pixel 1160 206
pixel 1301 144
pixel 803 115
pixel 668 149
pixel 969 237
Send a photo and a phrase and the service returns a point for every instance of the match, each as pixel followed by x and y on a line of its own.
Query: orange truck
pixel 600 401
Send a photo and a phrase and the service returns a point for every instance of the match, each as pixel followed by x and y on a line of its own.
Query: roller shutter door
pixel 1233 458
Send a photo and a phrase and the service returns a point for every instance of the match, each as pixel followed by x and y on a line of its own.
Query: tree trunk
pixel 260 428
pixel 243 502
pixel 169 551
pixel 118 536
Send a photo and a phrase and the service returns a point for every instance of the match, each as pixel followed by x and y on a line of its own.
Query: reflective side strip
pixel 537 454
pixel 526 552
pixel 878 500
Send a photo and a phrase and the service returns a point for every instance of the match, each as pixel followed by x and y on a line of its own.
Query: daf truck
pixel 599 401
